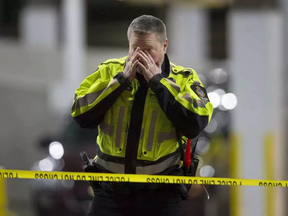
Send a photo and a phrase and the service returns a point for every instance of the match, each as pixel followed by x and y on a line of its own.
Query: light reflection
pixel 229 101
pixel 56 150
pixel 207 171
pixel 212 126
pixel 203 145
pixel 218 76
pixel 46 164
pixel 214 99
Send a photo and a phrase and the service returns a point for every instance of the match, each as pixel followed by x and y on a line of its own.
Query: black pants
pixel 160 201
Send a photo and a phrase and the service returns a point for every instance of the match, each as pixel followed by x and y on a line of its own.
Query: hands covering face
pixel 145 62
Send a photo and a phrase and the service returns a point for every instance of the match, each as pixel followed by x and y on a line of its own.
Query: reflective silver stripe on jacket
pixel 152 130
pixel 174 85
pixel 187 97
pixel 162 136
pixel 196 103
pixel 110 84
pixel 119 126
pixel 145 170
pixel 106 128
pixel 90 97
pixel 199 103
pixel 86 100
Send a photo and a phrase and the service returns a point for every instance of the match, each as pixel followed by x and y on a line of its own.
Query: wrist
pixel 122 78
pixel 155 80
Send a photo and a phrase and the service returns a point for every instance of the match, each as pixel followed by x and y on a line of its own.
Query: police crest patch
pixel 200 91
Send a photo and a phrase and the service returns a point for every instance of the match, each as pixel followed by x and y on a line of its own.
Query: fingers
pixel 151 59
pixel 134 65
pixel 135 55
pixel 146 72
pixel 144 58
pixel 148 56
pixel 142 66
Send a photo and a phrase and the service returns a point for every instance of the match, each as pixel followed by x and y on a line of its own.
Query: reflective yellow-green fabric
pixel 158 137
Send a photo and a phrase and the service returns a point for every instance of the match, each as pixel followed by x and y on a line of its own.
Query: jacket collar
pixel 165 67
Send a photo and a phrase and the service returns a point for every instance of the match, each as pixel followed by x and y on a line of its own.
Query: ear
pixel 165 45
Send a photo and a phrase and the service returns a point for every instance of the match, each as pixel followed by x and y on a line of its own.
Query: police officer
pixel 140 103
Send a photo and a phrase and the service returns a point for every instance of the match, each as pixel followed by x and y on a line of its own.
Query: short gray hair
pixel 147 24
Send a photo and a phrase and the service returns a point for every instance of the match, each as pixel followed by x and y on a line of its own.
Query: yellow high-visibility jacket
pixel 137 122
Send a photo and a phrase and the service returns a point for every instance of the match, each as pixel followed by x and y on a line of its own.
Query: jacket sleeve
pixel 96 94
pixel 186 106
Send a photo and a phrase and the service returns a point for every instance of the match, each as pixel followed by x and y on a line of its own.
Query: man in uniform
pixel 142 105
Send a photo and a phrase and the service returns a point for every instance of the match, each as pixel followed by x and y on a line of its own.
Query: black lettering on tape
pixel 207 182
pixel 221 182
pixel 157 180
pixel 114 179
pixel 67 177
pixel 46 176
pixel 271 184
pixel 8 175
pixel 95 178
pixel 81 178
pixel 179 181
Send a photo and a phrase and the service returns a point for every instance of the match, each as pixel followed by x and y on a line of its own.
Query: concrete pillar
pixel 73 19
pixel 257 69
pixel 187 28
pixel 39 26
pixel 74 42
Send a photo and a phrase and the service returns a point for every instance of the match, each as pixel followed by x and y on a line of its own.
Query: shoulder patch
pixel 200 91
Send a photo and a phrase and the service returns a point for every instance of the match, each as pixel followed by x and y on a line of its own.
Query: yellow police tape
pixel 109 177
